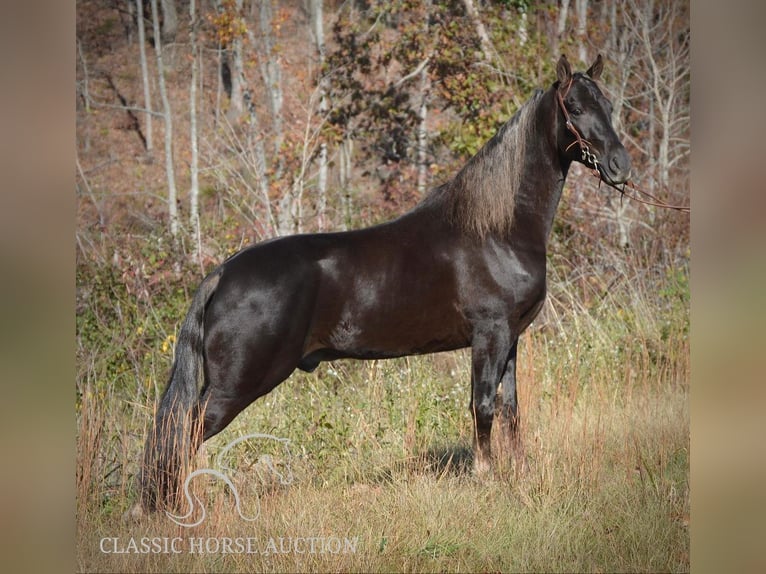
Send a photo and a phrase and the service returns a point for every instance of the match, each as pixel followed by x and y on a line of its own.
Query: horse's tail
pixel 177 424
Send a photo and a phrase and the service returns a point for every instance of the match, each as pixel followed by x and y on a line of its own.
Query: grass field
pixel 376 473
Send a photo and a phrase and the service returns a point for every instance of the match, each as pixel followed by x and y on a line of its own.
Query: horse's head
pixel 585 133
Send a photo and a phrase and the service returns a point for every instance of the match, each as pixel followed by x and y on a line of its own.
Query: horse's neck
pixel 543 179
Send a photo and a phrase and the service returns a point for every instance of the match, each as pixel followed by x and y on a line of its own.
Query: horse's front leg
pixel 508 411
pixel 490 351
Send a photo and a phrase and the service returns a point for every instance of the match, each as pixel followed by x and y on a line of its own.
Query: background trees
pixel 323 115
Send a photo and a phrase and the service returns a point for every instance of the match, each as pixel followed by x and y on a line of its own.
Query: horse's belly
pixel 388 332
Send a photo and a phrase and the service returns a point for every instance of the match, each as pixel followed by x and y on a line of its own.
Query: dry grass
pixel 378 454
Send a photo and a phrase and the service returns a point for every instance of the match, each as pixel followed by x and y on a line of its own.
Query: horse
pixel 466 267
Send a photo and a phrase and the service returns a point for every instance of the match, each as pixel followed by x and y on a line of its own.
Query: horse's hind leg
pixel 253 341
pixel 232 389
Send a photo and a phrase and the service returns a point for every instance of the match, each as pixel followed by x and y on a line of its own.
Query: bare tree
pixel 271 72
pixel 422 159
pixel 523 8
pixel 608 22
pixel 345 154
pixel 561 24
pixel 169 170
pixel 648 41
pixel 242 172
pixel 194 167
pixel 169 21
pixel 144 75
pixel 581 6
pixel 424 89
pixel 662 32
pixel 487 48
pixel 622 50
pixel 84 91
pixel 232 63
pixel 317 28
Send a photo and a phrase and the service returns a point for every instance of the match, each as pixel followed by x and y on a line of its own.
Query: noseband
pixel 588 157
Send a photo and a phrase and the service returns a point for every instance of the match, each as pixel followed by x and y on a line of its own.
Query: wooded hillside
pixel 275 117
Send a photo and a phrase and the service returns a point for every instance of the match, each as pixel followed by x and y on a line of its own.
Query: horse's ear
pixel 595 70
pixel 563 72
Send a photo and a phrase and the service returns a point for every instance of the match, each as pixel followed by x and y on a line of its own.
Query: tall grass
pixel 379 451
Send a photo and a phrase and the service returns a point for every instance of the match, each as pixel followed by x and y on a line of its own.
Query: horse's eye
pixel 576 111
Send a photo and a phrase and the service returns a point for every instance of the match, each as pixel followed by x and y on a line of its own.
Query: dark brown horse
pixel 465 268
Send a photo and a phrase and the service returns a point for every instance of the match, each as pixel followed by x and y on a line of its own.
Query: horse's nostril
pixel 618 167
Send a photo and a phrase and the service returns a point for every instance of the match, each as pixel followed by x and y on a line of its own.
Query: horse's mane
pixel 480 199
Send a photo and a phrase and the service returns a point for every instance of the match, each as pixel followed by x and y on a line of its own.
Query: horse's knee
pixel 483 410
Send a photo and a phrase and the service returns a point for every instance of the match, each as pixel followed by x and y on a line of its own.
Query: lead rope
pixel 655 201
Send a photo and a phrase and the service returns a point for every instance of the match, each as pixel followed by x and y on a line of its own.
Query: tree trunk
pixel 219 83
pixel 623 68
pixel 286 217
pixel 317 26
pixel 425 86
pixel 523 25
pixel 144 76
pixel 172 194
pixel 271 72
pixel 169 21
pixel 562 21
pixel 582 27
pixel 623 72
pixel 423 133
pixel 237 67
pixel 194 167
pixel 561 26
pixel 129 25
pixel 235 63
pixel 486 44
pixel 345 153
pixel 85 93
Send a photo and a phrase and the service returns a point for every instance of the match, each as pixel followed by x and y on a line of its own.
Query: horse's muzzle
pixel 616 169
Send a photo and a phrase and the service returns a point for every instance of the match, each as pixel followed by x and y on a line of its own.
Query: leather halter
pixel 588 157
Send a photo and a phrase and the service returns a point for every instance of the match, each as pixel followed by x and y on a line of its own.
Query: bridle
pixel 590 159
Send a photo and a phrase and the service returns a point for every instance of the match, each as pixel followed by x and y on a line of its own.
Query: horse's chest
pixel 516 278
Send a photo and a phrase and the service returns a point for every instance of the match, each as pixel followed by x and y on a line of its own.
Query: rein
pixel 653 200
pixel 590 159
